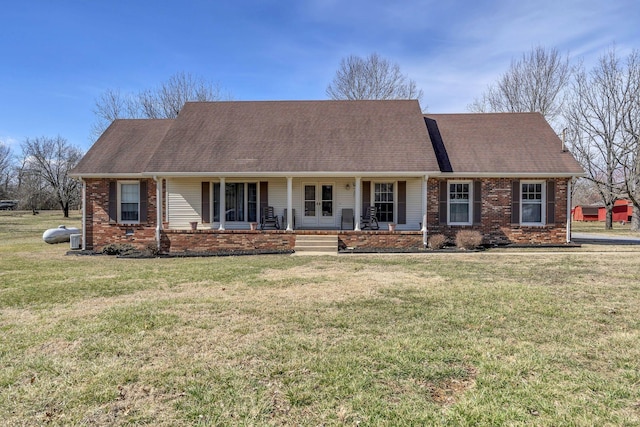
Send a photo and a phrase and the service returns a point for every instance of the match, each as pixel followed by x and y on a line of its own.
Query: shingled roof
pixel 327 137
pixel 124 148
pixel 296 136
pixel 499 143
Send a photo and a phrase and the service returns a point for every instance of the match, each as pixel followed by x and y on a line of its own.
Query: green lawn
pixel 492 338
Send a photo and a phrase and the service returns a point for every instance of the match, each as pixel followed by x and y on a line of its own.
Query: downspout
pixel 158 212
pixel 84 214
pixel 569 183
pixel 425 188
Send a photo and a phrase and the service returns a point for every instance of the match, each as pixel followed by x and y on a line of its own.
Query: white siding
pixel 184 202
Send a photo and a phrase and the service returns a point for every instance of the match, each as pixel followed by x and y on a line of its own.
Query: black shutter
pixel 515 202
pixel 113 202
pixel 144 202
pixel 551 202
pixel 206 203
pixel 366 196
pixel 402 202
pixel 477 202
pixel 442 197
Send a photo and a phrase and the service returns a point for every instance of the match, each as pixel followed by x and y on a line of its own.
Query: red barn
pixel 622 212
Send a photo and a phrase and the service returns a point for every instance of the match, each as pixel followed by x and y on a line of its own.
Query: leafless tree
pixel 49 160
pixel 595 115
pixel 372 77
pixel 164 101
pixel 6 165
pixel 630 159
pixel 533 83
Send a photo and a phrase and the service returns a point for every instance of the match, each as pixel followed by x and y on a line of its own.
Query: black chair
pixel 370 219
pixel 268 219
pixel 346 223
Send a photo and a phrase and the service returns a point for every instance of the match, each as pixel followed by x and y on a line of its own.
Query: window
pixel 459 203
pixel 532 196
pixel 129 202
pixel 241 201
pixel 383 200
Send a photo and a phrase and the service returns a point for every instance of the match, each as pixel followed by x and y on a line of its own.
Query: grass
pixel 598 227
pixel 491 338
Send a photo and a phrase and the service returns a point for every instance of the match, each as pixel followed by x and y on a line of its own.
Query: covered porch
pixel 300 203
pixel 190 219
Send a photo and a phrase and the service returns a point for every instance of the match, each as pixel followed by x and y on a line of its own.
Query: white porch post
pixel 223 208
pixel 158 209
pixel 289 203
pixel 425 187
pixel 84 214
pixel 569 182
pixel 358 207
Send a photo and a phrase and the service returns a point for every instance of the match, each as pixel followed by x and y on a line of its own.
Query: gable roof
pixel 347 138
pixel 296 136
pixel 124 148
pixel 500 143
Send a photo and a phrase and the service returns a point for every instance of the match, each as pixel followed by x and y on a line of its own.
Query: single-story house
pixel 622 212
pixel 199 182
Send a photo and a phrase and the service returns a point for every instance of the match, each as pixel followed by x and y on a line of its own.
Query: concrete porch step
pixel 309 244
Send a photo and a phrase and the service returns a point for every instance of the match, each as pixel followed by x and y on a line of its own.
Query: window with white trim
pixel 532 197
pixel 459 200
pixel 129 202
pixel 383 201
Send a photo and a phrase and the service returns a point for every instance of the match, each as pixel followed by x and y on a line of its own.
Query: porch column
pixel 358 207
pixel 158 209
pixel 569 182
pixel 223 208
pixel 425 187
pixel 289 203
pixel 84 214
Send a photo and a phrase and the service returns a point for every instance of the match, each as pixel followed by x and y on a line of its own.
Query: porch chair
pixel 284 218
pixel 369 219
pixel 347 219
pixel 268 219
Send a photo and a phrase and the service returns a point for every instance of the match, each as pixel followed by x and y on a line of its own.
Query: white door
pixel 318 205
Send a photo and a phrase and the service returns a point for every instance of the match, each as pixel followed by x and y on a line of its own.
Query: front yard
pixel 490 338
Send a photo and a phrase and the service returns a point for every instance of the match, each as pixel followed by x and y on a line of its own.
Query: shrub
pixel 468 239
pixel 152 249
pixel 118 249
pixel 437 241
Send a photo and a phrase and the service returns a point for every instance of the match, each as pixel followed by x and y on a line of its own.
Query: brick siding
pixel 496 226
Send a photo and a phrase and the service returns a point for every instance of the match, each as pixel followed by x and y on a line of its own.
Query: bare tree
pixel 595 116
pixel 164 101
pixel 6 164
pixel 533 83
pixel 372 77
pixel 49 160
pixel 630 159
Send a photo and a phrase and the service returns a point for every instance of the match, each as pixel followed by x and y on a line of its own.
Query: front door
pixel 318 205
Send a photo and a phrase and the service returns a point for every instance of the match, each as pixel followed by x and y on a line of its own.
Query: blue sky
pixel 57 57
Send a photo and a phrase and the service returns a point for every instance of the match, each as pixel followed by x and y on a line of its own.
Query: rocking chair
pixel 269 219
pixel 369 219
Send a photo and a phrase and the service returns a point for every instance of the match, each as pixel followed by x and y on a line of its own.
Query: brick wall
pixel 100 232
pixel 496 215
pixel 209 241
pixel 399 240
